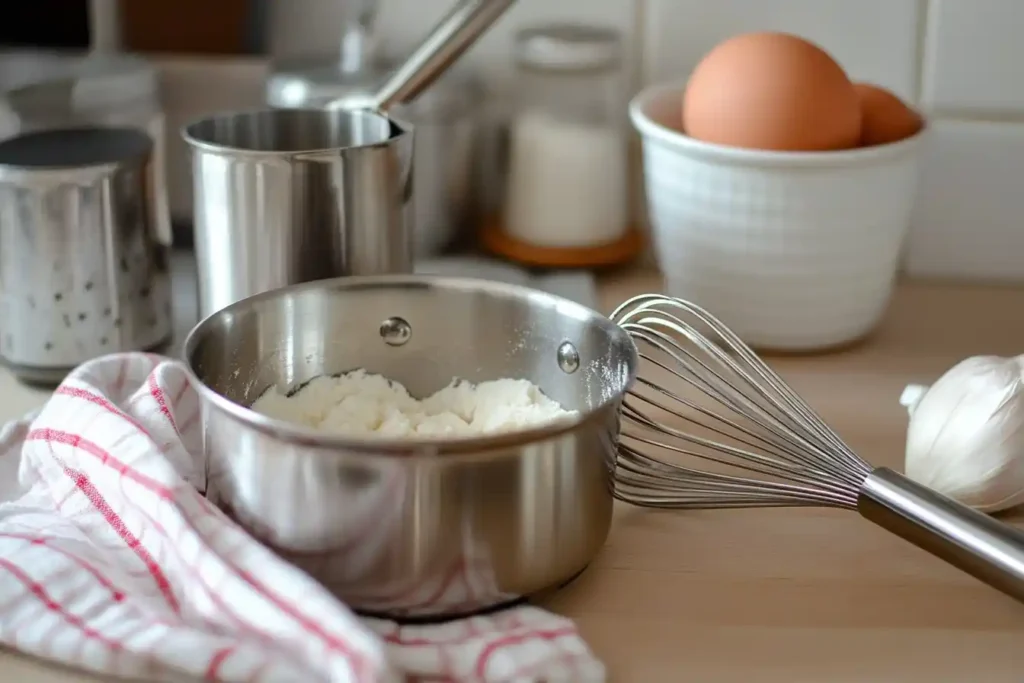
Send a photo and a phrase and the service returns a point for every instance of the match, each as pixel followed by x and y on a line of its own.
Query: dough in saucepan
pixel 362 404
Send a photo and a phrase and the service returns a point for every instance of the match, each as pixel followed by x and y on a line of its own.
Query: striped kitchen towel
pixel 110 560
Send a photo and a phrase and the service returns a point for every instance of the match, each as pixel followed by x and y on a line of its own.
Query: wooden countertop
pixel 809 596
pixel 788 596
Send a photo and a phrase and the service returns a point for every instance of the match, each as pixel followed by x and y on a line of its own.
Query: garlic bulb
pixel 966 433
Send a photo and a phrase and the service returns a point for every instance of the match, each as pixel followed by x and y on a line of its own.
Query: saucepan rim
pixel 300 435
pixel 190 131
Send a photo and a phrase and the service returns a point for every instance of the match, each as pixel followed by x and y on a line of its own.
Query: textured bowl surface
pixel 794 250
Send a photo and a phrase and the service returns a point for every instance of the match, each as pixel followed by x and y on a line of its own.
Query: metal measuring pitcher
pixel 284 196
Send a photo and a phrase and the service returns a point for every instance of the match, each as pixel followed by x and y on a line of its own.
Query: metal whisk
pixel 705 397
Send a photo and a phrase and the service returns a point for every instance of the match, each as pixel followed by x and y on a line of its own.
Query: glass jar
pixel 568 154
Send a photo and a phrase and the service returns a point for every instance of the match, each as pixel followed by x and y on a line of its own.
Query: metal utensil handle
pixel 446 42
pixel 984 547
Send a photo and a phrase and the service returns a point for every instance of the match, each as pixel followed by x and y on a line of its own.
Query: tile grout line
pixel 922 36
pixel 639 57
pixel 956 115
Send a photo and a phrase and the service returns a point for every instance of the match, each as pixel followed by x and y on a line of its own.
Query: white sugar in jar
pixel 567 178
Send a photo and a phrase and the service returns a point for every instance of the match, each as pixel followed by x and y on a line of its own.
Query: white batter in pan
pixel 365 405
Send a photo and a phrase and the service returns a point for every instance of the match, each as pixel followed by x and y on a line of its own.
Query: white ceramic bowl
pixel 793 250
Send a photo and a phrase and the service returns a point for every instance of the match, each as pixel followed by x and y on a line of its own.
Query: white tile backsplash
pixel 405 22
pixel 959 58
pixel 874 40
pixel 974 56
pixel 970 220
pixel 314 26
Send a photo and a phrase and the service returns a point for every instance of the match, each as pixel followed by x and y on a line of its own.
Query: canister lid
pixel 74 148
pixel 568 47
pixel 306 84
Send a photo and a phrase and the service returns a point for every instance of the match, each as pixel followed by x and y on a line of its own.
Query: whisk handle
pixel 984 547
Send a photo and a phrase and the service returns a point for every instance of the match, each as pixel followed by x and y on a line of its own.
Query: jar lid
pixel 568 47
pixel 306 84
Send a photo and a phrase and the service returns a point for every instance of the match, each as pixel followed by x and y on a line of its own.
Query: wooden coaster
pixel 626 248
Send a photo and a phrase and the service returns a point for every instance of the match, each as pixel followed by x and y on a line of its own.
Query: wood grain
pixel 806 596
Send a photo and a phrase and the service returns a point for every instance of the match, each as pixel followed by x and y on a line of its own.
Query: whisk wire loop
pixel 744 418
pixel 778 409
pixel 771 435
pixel 644 483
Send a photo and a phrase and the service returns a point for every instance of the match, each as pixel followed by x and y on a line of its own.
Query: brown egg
pixel 885 118
pixel 772 91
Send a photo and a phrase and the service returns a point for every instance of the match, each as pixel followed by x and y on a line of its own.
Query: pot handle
pixel 451 37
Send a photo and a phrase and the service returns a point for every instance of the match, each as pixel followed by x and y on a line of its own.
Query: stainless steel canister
pixel 289 196
pixel 83 271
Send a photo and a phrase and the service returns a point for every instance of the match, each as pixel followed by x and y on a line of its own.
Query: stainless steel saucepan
pixel 289 196
pixel 404 528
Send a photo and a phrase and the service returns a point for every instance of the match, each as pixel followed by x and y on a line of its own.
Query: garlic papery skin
pixel 966 433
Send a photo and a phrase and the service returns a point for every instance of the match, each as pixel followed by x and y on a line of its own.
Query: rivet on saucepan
pixel 395 331
pixel 568 358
